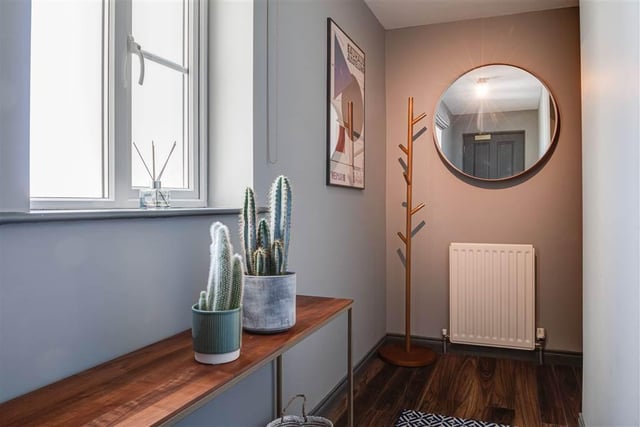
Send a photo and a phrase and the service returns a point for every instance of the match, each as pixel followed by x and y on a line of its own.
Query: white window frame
pixel 117 189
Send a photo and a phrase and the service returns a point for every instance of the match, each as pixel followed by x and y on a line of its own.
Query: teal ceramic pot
pixel 217 335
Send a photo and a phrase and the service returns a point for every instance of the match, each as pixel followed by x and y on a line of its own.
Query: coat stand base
pixel 396 354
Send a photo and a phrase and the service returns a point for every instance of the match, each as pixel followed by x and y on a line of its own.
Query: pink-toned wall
pixel 543 208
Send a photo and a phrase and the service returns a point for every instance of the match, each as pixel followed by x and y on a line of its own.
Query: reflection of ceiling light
pixel 482 87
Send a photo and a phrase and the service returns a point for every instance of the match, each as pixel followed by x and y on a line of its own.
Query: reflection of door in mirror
pixel 493 156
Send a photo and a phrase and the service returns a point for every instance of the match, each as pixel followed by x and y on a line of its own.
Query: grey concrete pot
pixel 217 335
pixel 269 303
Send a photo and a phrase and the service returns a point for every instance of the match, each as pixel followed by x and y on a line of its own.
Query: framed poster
pixel 345 109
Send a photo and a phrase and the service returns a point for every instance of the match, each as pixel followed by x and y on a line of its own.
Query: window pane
pixel 158 26
pixel 66 142
pixel 160 105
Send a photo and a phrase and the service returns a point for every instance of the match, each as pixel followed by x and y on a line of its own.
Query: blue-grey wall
pixel 74 294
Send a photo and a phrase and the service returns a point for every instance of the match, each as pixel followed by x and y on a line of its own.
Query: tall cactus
pixel 280 209
pixel 225 284
pixel 219 287
pixel 248 227
pixel 266 248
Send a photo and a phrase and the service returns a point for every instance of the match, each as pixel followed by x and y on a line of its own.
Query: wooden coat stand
pixel 398 353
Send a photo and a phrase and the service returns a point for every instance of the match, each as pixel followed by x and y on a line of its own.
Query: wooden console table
pixel 161 383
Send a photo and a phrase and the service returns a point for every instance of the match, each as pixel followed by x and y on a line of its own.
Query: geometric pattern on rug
pixel 409 418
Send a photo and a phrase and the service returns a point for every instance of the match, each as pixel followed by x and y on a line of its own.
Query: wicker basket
pixel 296 421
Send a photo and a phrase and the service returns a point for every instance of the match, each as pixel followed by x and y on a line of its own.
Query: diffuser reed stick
pixel 167 161
pixel 143 162
pixel 152 175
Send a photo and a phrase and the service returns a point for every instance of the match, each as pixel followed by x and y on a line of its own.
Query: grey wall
pixel 543 208
pixel 15 49
pixel 338 234
pixel 230 87
pixel 610 47
pixel 75 294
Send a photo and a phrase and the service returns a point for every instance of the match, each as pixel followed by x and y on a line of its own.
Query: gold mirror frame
pixel 502 78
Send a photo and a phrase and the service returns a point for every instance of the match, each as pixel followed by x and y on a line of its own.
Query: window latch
pixel 136 49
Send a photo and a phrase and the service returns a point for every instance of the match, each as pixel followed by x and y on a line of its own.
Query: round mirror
pixel 495 122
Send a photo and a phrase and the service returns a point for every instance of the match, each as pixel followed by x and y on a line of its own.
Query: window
pixel 67 93
pixel 106 74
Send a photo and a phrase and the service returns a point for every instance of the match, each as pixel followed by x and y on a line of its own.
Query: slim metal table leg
pixel 278 386
pixel 350 368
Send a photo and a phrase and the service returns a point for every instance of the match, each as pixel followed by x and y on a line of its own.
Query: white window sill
pixel 101 214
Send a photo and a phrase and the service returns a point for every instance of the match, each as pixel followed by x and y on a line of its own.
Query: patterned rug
pixel 409 418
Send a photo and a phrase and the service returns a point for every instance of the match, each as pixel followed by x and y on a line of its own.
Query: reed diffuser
pixel 154 197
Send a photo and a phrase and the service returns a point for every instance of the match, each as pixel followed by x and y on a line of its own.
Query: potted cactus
pixel 216 317
pixel 270 289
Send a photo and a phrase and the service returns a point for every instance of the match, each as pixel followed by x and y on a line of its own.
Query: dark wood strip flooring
pixel 515 392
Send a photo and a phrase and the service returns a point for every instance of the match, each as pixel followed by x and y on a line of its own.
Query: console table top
pixel 162 382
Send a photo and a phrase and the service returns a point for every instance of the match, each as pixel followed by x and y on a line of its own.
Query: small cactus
pixel 277 258
pixel 264 239
pixel 202 302
pixel 268 243
pixel 261 262
pixel 237 278
pixel 225 284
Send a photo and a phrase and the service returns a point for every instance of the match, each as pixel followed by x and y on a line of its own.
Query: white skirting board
pixel 581 420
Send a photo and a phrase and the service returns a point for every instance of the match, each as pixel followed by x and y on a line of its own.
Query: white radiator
pixel 492 295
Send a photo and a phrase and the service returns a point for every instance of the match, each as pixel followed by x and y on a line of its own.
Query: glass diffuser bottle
pixel 155 197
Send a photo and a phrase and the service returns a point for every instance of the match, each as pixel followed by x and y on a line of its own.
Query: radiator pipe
pixel 445 340
pixel 540 342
